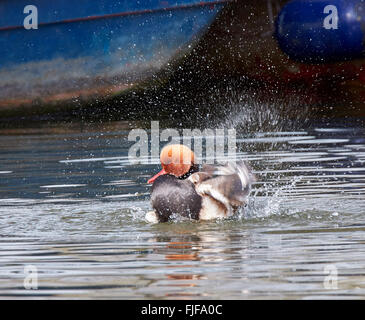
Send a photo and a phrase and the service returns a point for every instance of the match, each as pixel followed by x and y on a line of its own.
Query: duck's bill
pixel 156 176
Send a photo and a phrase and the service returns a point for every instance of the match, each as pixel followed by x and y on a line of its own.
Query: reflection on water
pixel 72 205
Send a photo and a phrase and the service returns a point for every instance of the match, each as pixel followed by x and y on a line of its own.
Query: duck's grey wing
pixel 229 184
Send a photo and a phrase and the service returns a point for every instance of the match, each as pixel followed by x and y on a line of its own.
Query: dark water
pixel 73 206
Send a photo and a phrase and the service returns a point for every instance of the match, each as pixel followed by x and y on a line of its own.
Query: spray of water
pixel 253 116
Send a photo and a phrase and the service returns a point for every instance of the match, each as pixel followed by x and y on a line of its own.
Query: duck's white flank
pixel 151 217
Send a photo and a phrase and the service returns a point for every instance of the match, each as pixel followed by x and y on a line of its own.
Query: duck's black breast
pixel 173 196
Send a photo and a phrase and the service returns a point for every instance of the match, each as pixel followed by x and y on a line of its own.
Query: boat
pixel 291 44
pixel 86 50
pixel 63 50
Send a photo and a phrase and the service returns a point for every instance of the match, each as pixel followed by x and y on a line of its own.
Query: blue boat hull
pixel 86 48
pixel 287 44
pixel 319 32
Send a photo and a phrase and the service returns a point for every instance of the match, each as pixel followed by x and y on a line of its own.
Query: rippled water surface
pixel 73 206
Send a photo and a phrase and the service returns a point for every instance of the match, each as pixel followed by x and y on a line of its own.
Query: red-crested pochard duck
pixel 180 189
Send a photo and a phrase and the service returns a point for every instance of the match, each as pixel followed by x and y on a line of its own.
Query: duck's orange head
pixel 176 159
